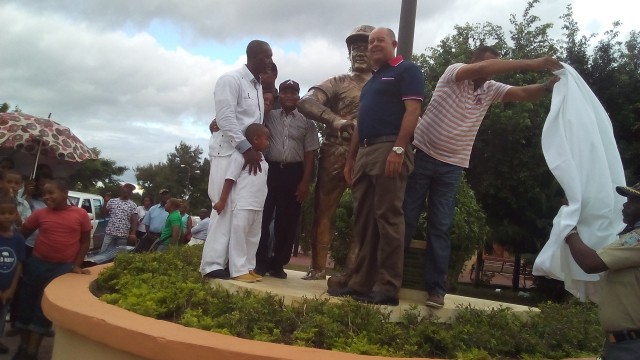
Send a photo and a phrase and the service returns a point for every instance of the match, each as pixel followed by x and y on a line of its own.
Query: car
pixel 92 204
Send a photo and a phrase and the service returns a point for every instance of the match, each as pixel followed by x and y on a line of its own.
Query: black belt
pixel 619 336
pixel 377 140
pixel 153 233
pixel 283 165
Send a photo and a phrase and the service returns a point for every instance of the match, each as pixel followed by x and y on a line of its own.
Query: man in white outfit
pixel 239 103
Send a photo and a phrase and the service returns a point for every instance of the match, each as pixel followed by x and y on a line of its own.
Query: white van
pixel 92 204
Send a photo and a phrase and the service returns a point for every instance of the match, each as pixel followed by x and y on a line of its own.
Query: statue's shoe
pixel 315 275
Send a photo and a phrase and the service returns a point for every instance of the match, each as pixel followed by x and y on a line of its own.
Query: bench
pixel 492 265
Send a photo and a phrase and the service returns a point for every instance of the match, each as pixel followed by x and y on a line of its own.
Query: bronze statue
pixel 335 103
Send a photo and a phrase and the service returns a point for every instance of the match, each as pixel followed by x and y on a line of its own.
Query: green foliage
pixel 97 176
pixel 167 286
pixel 343 230
pixel 4 107
pixel 184 174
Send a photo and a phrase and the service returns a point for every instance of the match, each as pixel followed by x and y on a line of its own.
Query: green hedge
pixel 167 286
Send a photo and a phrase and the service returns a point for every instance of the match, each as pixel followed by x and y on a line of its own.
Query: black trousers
pixel 282 183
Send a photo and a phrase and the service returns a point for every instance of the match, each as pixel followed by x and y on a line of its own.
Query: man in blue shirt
pixel 378 165
pixel 154 222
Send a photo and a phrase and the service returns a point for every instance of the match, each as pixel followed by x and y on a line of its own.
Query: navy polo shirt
pixel 382 98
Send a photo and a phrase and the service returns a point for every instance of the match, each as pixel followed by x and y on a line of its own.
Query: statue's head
pixel 357 44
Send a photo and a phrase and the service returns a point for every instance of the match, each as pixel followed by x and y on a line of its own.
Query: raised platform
pixel 294 289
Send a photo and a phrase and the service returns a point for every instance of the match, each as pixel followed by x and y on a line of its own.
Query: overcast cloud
pixel 104 69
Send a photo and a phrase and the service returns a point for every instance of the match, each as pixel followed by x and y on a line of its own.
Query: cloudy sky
pixel 134 78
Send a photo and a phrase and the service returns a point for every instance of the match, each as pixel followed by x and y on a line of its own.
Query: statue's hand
pixel 344 126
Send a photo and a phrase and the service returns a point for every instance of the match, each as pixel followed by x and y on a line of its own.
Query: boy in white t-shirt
pixel 245 194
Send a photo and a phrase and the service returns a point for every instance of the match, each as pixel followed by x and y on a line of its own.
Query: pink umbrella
pixel 30 140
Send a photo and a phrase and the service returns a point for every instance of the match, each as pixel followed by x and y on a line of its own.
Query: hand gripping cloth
pixel 581 152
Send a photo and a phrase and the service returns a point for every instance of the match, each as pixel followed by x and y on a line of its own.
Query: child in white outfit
pixel 245 194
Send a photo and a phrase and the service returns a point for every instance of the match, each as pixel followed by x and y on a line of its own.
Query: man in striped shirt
pixel 443 141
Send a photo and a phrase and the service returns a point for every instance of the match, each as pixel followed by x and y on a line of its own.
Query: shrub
pixel 168 286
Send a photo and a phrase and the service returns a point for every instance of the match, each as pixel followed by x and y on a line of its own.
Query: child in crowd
pixel 12 246
pixel 172 230
pixel 61 246
pixel 246 194
pixel 13 183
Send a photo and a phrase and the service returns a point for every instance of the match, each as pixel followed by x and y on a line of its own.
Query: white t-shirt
pixel 141 213
pixel 249 191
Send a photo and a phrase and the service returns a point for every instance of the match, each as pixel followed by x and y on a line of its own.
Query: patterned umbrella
pixel 31 140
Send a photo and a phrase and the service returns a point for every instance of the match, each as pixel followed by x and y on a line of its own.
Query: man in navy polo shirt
pixel 377 168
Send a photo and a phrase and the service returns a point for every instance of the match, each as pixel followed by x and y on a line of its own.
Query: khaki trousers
pixel 378 221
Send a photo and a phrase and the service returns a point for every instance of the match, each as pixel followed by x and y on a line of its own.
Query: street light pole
pixel 407 28
pixel 189 178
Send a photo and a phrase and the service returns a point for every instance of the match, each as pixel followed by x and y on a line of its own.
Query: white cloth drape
pixel 581 152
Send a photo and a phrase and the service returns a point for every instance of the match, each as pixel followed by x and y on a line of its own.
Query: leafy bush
pixel 168 286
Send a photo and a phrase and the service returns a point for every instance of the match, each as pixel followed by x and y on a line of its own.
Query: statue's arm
pixel 312 105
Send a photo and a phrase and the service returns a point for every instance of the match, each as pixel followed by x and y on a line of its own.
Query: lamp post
pixel 407 28
pixel 189 178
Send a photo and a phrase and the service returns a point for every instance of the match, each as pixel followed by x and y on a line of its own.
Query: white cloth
pixel 239 103
pixel 216 248
pixel 581 152
pixel 246 227
pixel 249 191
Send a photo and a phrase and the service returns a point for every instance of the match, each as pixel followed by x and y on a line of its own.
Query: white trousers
pixel 246 226
pixel 216 249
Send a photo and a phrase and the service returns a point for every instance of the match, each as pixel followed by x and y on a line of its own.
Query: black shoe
pixel 218 274
pixel 280 274
pixel 377 298
pixel 344 292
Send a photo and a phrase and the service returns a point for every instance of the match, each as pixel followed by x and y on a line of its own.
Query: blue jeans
pixel 37 275
pixel 437 182
pixel 113 241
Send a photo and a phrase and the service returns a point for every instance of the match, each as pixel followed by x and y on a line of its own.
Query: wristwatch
pixel 398 150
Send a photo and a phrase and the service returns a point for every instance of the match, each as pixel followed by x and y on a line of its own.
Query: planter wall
pixel 91 329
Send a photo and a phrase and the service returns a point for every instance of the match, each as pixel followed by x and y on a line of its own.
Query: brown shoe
pixel 255 275
pixel 247 278
pixel 435 301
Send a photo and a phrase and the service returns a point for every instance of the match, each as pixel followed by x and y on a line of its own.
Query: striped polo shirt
pixel 448 128
pixel 290 136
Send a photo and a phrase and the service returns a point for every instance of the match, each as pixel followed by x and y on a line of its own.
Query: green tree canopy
pixel 184 174
pixel 97 175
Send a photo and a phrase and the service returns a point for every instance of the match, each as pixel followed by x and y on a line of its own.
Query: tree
pixel 184 174
pixel 97 175
pixel 4 107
